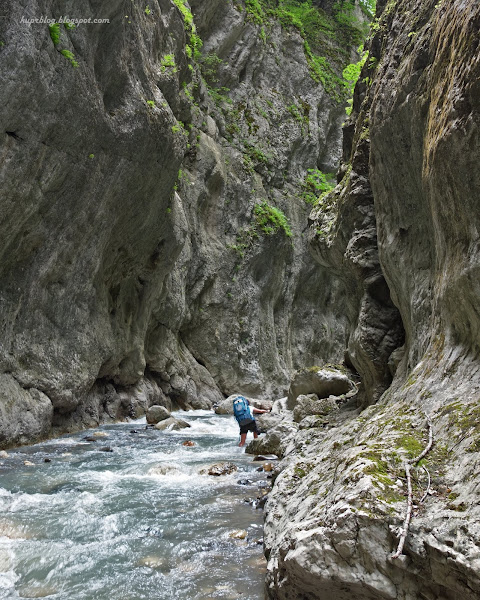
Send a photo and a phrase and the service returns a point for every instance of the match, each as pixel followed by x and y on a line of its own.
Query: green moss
pixel 270 219
pixel 410 444
pixel 70 56
pixel 54 29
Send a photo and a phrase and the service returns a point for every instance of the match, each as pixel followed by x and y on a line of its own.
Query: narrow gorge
pixel 192 206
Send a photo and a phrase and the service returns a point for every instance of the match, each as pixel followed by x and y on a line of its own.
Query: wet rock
pixel 155 414
pixel 172 424
pixel 47 460
pixel 28 463
pixel 90 438
pixel 240 534
pixel 267 467
pixel 188 443
pixel 261 502
pixel 133 430
pixel 105 449
pixel 244 482
pixel 3 454
pixel 323 382
pixel 98 434
pixel 262 457
pixel 219 469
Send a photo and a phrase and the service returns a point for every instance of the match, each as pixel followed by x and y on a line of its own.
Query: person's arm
pixel 258 411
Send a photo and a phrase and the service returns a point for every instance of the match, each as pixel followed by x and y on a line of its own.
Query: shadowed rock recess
pixel 157 249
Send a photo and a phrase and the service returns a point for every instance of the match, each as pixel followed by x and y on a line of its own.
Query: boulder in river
pixel 172 424
pixel 241 534
pixel 157 413
pixel 188 443
pixel 218 469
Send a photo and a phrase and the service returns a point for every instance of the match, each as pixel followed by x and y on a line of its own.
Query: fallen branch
pixel 428 485
pixel 407 463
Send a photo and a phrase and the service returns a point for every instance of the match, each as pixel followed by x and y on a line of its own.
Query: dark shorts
pixel 252 426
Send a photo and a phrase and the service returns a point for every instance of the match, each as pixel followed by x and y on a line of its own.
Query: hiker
pixel 243 413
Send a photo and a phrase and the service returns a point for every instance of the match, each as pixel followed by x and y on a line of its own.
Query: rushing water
pixel 136 523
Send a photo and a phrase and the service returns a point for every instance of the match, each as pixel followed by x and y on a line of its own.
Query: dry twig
pixel 407 463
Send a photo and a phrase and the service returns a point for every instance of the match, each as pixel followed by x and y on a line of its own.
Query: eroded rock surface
pixel 129 185
pixel 338 505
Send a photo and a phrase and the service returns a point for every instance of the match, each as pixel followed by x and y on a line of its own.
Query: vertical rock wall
pixel 338 506
pixel 133 269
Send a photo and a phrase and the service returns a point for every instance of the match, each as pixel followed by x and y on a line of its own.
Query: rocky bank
pixel 403 219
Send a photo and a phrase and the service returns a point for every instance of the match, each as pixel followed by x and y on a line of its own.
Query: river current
pixel 137 522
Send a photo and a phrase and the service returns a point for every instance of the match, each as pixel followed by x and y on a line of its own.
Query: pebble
pixel 240 534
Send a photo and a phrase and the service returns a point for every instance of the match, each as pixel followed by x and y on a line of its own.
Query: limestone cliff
pixel 153 245
pixel 403 223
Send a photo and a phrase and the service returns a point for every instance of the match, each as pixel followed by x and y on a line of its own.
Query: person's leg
pixel 243 437
pixel 255 435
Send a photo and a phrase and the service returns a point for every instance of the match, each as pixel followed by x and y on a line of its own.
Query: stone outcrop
pixel 322 381
pixel 130 179
pixel 407 197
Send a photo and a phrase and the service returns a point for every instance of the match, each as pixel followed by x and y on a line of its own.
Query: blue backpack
pixel 241 411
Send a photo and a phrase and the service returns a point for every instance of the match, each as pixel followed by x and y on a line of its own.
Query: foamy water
pixel 140 522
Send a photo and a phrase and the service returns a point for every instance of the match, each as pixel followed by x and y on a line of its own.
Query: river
pixel 138 522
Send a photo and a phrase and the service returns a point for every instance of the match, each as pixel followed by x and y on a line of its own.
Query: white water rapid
pixel 135 520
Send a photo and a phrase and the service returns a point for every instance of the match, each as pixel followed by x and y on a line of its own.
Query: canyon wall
pixel 408 195
pixel 153 229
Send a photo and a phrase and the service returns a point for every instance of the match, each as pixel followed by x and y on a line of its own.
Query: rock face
pixel 131 229
pixel 323 382
pixel 407 197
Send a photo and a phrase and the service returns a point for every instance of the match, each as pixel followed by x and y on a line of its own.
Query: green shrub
pixel 270 219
